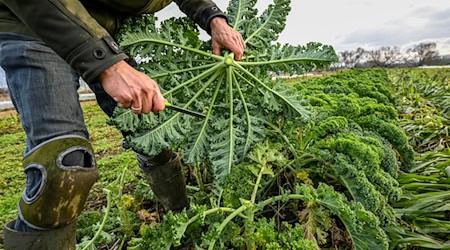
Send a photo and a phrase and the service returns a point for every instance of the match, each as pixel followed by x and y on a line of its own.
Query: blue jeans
pixel 43 89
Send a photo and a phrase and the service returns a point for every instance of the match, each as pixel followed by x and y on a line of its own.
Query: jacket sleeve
pixel 201 11
pixel 67 27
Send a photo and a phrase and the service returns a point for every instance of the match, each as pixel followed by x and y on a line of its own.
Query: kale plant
pixel 236 96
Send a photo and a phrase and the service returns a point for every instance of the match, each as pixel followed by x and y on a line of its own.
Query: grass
pixel 105 139
pixel 12 143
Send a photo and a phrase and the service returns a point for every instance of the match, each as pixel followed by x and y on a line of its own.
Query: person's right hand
pixel 132 89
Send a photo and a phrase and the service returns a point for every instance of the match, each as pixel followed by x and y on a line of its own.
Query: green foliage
pixel 393 134
pixel 401 238
pixel 245 227
pixel 237 185
pixel 299 155
pixel 424 208
pixel 343 147
pixel 237 97
pixel 289 236
pixel 362 226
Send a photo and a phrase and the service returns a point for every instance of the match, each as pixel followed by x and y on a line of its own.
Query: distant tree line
pixel 391 56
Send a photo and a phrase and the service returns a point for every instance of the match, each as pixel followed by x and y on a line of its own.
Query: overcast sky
pixel 348 24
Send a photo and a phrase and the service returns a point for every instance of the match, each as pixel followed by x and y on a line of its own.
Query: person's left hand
pixel 223 36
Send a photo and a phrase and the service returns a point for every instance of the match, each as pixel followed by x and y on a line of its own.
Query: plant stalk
pixel 196 78
pixel 157 41
pixel 105 218
pixel 184 70
pixel 225 222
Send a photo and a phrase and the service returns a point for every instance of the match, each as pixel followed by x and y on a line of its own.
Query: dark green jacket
pixel 80 31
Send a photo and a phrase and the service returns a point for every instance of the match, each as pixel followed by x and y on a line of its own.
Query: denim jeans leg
pixel 43 89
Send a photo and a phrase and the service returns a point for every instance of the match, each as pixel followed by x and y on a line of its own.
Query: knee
pixel 60 173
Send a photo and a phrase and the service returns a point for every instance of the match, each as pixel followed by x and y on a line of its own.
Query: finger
pixel 238 54
pixel 158 102
pixel 232 43
pixel 241 45
pixel 238 57
pixel 147 93
pixel 241 41
pixel 135 110
pixel 216 48
pixel 232 46
pixel 237 49
pixel 149 100
pixel 124 101
pixel 136 106
pixel 146 108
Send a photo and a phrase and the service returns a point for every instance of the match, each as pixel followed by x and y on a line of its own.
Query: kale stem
pixel 184 70
pixel 258 180
pixel 196 78
pixel 160 41
pixel 208 212
pixel 208 115
pixel 245 79
pixel 261 27
pixel 238 15
pixel 289 103
pixel 213 77
pixel 162 125
pixel 105 218
pixel 251 213
pixel 247 115
pixel 225 222
pixel 231 136
pixel 273 199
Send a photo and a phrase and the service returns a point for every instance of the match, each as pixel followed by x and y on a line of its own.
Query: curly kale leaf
pixel 363 226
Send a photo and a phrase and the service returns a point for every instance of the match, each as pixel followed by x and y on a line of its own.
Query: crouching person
pixel 45 47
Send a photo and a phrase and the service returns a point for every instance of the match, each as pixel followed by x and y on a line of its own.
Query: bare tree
pixel 359 55
pixel 345 58
pixel 384 56
pixel 425 52
pixel 351 58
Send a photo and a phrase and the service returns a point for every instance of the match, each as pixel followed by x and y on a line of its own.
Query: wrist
pixel 111 70
pixel 217 22
pixel 216 15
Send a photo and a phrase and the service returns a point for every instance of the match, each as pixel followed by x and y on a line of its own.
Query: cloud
pixel 442 15
pixel 444 46
pixel 429 25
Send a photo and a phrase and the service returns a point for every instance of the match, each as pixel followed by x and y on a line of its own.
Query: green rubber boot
pixel 166 179
pixel 62 238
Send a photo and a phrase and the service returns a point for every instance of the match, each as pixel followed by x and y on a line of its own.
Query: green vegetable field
pixel 370 171
pixel 355 159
